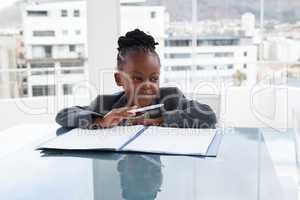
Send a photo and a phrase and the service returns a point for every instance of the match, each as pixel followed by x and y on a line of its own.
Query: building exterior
pixel 56 47
pixel 282 49
pixel 221 52
pixel 214 58
pixel 12 82
pixel 248 24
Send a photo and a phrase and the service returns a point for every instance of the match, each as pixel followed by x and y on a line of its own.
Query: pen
pixel 143 109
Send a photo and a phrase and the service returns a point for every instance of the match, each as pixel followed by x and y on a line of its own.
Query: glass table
pixel 249 166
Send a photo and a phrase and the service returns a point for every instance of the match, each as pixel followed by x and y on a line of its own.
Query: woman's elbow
pixel 62 118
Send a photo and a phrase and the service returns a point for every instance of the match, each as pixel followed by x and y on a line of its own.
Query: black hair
pixel 135 41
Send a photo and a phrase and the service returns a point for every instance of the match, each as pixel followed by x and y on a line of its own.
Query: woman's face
pixel 139 78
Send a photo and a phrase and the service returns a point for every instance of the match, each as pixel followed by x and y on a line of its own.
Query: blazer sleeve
pixel 79 116
pixel 186 113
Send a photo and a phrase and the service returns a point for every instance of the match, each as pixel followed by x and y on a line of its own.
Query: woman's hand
pixel 115 116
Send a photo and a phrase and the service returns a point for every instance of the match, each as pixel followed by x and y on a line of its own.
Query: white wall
pixel 103 32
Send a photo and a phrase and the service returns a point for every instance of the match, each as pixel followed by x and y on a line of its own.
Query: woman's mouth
pixel 146 95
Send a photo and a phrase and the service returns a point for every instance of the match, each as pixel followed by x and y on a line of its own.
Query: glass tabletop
pixel 246 168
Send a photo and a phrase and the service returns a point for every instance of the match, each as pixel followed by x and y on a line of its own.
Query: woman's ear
pixel 118 79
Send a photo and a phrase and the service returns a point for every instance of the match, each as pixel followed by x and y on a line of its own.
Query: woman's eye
pixel 154 79
pixel 135 78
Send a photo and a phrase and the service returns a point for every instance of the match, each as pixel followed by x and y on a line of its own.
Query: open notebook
pixel 148 139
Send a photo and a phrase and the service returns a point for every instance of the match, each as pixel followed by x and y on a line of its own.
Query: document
pixel 146 139
pixel 186 141
pixel 84 139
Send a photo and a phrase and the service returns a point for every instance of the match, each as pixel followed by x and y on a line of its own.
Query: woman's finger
pixel 114 121
pixel 128 112
pixel 131 109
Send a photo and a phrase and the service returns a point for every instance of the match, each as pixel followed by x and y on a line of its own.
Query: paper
pixel 186 141
pixel 152 139
pixel 83 139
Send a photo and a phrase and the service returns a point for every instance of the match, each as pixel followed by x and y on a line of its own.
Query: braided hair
pixel 135 41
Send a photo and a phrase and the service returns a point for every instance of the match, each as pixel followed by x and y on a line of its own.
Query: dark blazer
pixel 178 111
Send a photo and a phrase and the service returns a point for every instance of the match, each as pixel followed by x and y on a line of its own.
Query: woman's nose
pixel 147 87
pixel 147 84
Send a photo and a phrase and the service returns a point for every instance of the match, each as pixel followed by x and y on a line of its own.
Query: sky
pixel 4 3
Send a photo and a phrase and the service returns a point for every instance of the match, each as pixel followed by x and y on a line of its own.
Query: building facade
pixel 13 80
pixel 55 40
pixel 213 59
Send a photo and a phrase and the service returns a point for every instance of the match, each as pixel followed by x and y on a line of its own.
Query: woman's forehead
pixel 141 62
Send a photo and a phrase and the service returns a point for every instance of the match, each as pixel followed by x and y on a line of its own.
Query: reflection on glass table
pixel 246 168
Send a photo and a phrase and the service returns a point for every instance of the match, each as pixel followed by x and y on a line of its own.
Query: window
pixel 64 13
pixel 48 51
pixel 72 64
pixel 43 33
pixel 65 32
pixel 245 53
pixel 72 48
pixel 41 65
pixel 73 71
pixel 180 68
pixel 205 55
pixel 200 67
pixel 245 66
pixel 68 89
pixel 37 13
pixel 44 72
pixel 230 66
pixel 42 51
pixel 43 90
pixel 178 55
pixel 178 42
pixel 77 32
pixel 223 41
pixel 76 13
pixel 153 14
pixel 223 54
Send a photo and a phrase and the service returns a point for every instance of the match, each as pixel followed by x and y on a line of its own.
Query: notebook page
pixel 83 139
pixel 183 141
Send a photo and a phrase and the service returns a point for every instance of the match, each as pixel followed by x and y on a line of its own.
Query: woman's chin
pixel 146 96
pixel 145 100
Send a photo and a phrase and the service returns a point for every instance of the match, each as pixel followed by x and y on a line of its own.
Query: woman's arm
pixel 78 116
pixel 94 116
pixel 188 113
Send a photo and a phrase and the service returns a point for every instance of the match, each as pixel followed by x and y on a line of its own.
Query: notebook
pixel 146 139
